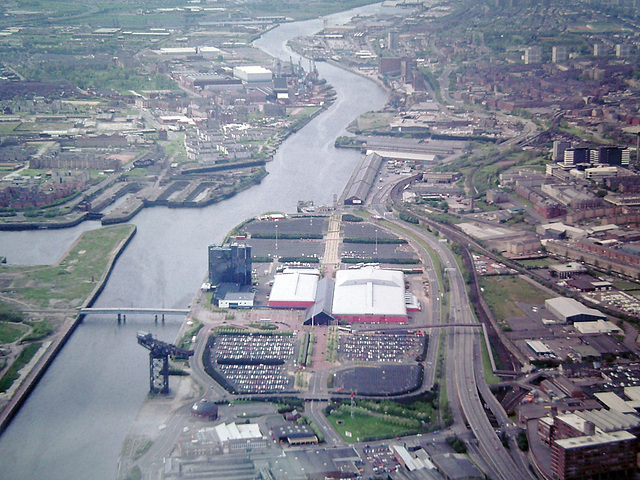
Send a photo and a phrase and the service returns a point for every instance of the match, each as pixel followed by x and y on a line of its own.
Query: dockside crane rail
pixel 159 353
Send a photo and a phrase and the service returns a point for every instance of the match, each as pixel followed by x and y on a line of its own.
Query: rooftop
pixel 294 285
pixel 369 291
pixel 593 440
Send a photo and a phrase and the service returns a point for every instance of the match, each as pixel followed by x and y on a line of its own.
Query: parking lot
pixel 364 230
pixel 257 378
pixel 380 347
pixel 266 247
pixel 253 348
pixel 372 250
pixel 303 226
pixel 254 363
pixel 380 458
pixel 382 380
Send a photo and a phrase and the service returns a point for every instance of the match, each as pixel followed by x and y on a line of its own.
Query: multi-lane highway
pixel 463 378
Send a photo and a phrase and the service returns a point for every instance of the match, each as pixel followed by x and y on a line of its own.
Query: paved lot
pixel 304 225
pixel 382 380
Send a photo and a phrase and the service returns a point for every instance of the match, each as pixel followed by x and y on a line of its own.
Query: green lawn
pixel 537 263
pixel 7 128
pixel 489 377
pixel 10 332
pixel 625 285
pixel 366 426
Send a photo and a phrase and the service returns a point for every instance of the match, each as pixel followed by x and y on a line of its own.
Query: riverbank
pixel 29 380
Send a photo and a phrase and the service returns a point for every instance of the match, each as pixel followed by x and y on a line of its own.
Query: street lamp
pixel 376 241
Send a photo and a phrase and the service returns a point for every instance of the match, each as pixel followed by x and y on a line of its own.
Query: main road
pixel 463 382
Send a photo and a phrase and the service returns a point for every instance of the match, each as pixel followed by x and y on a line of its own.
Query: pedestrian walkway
pixel 331 260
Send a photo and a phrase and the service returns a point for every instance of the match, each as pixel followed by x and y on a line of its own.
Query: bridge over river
pixel 122 312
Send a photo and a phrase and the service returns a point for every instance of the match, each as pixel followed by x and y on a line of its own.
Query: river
pixel 74 423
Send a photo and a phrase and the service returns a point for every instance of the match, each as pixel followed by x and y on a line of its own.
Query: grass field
pixel 367 426
pixel 537 263
pixel 10 332
pixel 626 285
pixel 7 128
pixel 68 283
pixel 489 377
pixel 503 292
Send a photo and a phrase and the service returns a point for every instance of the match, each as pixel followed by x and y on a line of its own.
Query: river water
pixel 74 423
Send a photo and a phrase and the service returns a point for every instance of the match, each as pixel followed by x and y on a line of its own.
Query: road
pixel 463 380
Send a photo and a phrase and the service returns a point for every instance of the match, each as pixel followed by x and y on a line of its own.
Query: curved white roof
pixel 369 291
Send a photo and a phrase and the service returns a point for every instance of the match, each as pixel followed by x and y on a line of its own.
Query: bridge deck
pixel 133 311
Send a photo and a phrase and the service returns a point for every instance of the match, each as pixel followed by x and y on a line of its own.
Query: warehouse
pixel 370 295
pixel 570 310
pixel 294 288
pixel 253 73
pixel 361 183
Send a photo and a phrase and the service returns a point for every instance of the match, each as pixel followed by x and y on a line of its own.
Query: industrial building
pixel 205 409
pixel 369 295
pixel 587 422
pixel 600 326
pixel 237 300
pixel 295 434
pixel 253 73
pixel 569 310
pixel 363 180
pixel 567 270
pixel 294 288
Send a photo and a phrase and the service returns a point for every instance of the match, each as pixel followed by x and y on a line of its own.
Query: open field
pixel 365 426
pixel 503 292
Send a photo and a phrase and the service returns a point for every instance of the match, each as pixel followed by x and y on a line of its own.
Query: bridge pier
pixel 119 318
pixel 124 318
pixel 163 318
pixel 156 318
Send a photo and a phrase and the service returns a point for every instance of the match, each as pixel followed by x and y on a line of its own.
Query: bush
pixel 457 444
pixel 523 441
pixel 299 260
pixel 9 314
pixel 348 217
pixel 407 217
pixel 368 240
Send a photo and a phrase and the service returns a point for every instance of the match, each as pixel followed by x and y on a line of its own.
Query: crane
pixel 159 353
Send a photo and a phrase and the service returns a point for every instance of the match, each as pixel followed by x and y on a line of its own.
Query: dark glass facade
pixel 230 264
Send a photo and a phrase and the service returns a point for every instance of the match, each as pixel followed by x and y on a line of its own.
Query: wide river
pixel 74 423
